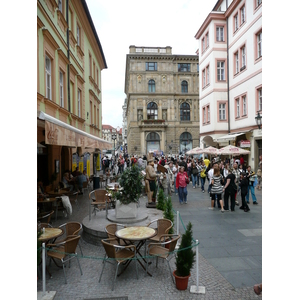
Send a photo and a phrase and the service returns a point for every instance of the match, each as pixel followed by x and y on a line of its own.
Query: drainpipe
pixel 228 106
pixel 68 66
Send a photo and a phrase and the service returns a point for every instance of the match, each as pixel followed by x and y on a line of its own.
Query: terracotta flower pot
pixel 181 282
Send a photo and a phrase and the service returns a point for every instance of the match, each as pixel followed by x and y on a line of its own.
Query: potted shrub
pixel 128 197
pixel 185 259
pixel 161 200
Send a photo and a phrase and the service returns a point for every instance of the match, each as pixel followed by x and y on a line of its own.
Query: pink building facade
pixel 230 76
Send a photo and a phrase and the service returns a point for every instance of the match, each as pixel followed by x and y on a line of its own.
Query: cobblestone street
pixel 230 258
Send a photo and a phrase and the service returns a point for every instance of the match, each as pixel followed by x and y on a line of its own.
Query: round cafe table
pixel 50 233
pixel 138 234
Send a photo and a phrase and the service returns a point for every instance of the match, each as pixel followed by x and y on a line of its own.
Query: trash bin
pixel 96 182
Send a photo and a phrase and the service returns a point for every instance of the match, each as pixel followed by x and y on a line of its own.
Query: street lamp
pixel 258 120
pixel 114 137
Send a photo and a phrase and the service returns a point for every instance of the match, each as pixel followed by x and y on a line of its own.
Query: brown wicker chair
pixel 45 217
pixel 159 250
pixel 117 254
pixel 98 200
pixel 111 229
pixel 70 228
pixel 162 226
pixel 85 186
pixel 63 250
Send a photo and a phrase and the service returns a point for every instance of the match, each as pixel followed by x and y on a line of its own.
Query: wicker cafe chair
pixel 111 229
pixel 70 228
pixel 45 217
pixel 85 186
pixel 118 254
pixel 163 227
pixel 159 250
pixel 100 201
pixel 65 251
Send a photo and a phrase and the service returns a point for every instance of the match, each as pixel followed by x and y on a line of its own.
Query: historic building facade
pixel 69 100
pixel 230 81
pixel 162 106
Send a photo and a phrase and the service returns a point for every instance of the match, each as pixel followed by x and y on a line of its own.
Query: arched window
pixel 151 86
pixel 184 112
pixel 153 142
pixel 184 86
pixel 152 111
pixel 152 136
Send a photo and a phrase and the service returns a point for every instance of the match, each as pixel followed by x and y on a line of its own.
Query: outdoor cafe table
pixel 47 200
pixel 59 193
pixel 138 234
pixel 50 233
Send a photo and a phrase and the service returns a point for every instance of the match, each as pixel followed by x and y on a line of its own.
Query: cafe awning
pixel 228 137
pixel 63 134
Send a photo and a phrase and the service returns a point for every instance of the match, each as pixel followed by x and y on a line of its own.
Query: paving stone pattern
pixel 229 265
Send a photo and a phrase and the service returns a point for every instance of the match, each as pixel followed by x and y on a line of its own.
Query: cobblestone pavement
pixel 160 285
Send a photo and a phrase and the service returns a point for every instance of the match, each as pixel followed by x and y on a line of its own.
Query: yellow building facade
pixel 162 91
pixel 69 100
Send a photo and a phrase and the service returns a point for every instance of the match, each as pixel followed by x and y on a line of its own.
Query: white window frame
pixel 237 67
pixel 244 103
pixel 236 22
pixel 237 108
pixel 48 78
pixel 78 35
pixel 220 33
pixel 207 75
pixel 204 78
pixel 208 114
pixel 204 115
pixel 243 51
pixel 222 111
pixel 61 88
pixel 207 39
pixel 60 6
pixel 259 44
pixel 221 70
pixel 243 14
pixel 260 99
pixel 79 102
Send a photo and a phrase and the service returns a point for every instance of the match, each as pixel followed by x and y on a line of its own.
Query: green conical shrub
pixel 168 212
pixel 161 200
pixel 185 258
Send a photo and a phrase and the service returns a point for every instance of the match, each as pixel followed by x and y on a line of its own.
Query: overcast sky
pixel 156 23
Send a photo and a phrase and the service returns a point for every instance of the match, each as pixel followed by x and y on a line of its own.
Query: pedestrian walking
pixel 251 178
pixel 229 190
pixel 217 188
pixel 237 175
pixel 244 192
pixel 194 172
pixel 202 175
pixel 181 184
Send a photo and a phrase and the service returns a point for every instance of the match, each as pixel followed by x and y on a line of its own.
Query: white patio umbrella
pixel 193 151
pixel 210 150
pixel 232 150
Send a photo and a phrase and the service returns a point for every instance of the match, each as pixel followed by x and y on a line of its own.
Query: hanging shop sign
pixel 244 144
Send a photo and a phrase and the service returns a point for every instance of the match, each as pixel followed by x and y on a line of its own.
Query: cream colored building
pixel 162 91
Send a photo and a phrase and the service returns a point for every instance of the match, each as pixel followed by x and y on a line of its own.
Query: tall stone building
pixel 162 93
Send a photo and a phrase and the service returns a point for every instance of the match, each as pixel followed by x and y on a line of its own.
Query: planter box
pixel 126 211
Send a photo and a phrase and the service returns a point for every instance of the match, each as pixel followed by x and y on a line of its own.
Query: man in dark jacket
pixel 244 192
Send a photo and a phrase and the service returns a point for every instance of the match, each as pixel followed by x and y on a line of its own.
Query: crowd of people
pixel 225 178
